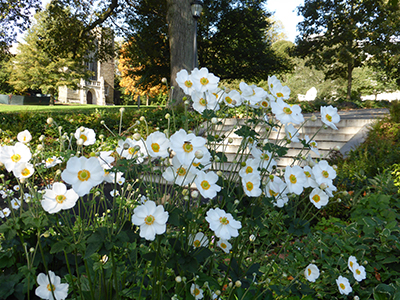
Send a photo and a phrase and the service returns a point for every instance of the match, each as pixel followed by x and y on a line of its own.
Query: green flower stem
pixel 44 262
pixel 70 274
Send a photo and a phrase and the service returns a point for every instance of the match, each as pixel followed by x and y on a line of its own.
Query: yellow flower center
pixel 328 117
pixel 313 144
pixel 83 175
pixel 187 147
pixel 316 198
pixel 358 272
pixel 205 185
pixel 195 164
pixel 342 286
pixel 308 174
pixel 83 137
pixel 50 160
pixel 196 291
pixel 265 156
pixel 181 171
pixel 204 81
pixel 155 147
pixel 51 287
pixel 325 174
pixel 25 172
pixel 249 170
pixel 203 102
pixel 287 110
pixel 196 243
pixel 228 100
pixel 279 95
pixel 272 193
pixel 351 264
pixel 265 104
pixel 249 186
pixel 132 151
pixel 223 220
pixel 309 271
pixel 24 138
pixel 149 220
pixel 292 179
pixel 16 157
pixel 188 83
pixel 60 198
pixel 223 245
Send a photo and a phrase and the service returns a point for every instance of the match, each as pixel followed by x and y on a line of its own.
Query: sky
pixel 285 11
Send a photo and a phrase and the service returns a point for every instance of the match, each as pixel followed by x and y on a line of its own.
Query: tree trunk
pixel 350 68
pixel 181 34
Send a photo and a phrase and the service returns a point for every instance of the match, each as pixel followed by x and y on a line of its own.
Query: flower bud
pixel 167 116
pixel 41 138
pixel 121 110
pixel 252 238
pixel 219 173
pixel 79 142
pixel 39 147
pixel 194 194
pixel 137 137
pixel 214 120
pixel 187 102
pixel 49 121
pixel 230 140
pixel 126 146
pixel 337 148
pixel 199 154
pixel 313 118
pixel 323 186
pixel 178 279
pixel 238 283
pixel 186 198
pixel 185 192
pixel 164 80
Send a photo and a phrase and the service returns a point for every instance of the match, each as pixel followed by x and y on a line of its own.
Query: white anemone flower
pixel 198 240
pixel 24 136
pixel 23 170
pixel 204 81
pixel 12 155
pixel 252 93
pixel 184 81
pixel 319 198
pixel 203 101
pixel 47 287
pixel 292 133
pixel 330 116
pixel 6 212
pixel 86 134
pixel 359 272
pixel 196 291
pixel 280 91
pixel 206 183
pixel 232 99
pixel 203 163
pixel 52 161
pixel 277 188
pixel 286 113
pixel 112 177
pixel 151 219
pixel 223 224
pixel 251 185
pixel 105 159
pixel 250 167
pixel 323 172
pixel 185 146
pixel 179 173
pixel 313 144
pixel 15 203
pixel 295 179
pixel 264 157
pixel 58 198
pixel 224 245
pixel 83 174
pixel 131 149
pixel 157 144
pixel 311 272
pixel 272 82
pixel 352 261
pixel 344 285
pixel 310 178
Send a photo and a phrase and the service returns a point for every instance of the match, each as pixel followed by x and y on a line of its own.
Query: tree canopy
pixel 342 35
pixel 33 68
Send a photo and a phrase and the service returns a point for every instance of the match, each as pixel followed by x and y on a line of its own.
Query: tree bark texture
pixel 181 36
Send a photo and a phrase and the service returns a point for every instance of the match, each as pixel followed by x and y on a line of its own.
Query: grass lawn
pixel 4 108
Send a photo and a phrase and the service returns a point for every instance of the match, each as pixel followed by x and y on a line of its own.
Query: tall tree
pixel 33 68
pixel 15 17
pixel 340 35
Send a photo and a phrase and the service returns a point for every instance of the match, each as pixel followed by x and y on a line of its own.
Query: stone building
pixel 99 89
